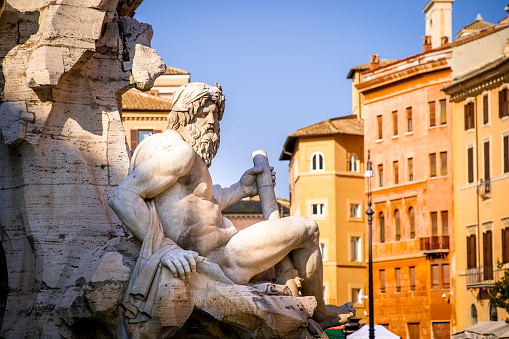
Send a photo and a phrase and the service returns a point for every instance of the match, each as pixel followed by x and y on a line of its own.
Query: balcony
pixel 434 246
pixel 485 188
pixel 483 276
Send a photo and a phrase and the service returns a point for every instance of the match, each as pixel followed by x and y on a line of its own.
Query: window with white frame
pixel 323 251
pixel 353 163
pixel 318 210
pixel 355 210
pixel 357 295
pixel 317 161
pixel 356 248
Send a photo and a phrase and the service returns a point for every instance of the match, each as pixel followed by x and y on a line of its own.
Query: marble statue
pixel 169 203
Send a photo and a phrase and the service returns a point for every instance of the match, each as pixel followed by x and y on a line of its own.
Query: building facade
pixel 327 185
pixel 408 130
pixel 479 93
pixel 145 113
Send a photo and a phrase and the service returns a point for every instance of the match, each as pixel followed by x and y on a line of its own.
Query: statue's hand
pixel 248 180
pixel 181 262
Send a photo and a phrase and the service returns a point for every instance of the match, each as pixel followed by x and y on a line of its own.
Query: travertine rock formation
pixel 62 149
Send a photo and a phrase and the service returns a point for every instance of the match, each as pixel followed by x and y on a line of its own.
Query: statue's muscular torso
pixel 189 212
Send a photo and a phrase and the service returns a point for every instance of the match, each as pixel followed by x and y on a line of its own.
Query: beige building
pixel 145 113
pixel 327 185
pixel 479 93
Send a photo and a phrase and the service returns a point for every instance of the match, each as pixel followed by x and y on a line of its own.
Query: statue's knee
pixel 308 226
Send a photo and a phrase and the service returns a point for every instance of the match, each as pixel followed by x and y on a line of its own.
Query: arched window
pixel 381 222
pixel 411 221
pixel 493 312
pixel 473 315
pixel 397 223
pixel 353 163
pixel 317 161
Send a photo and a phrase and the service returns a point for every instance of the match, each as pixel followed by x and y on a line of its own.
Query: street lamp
pixel 370 174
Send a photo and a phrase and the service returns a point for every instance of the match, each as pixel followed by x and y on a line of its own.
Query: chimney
pixel 375 61
pixel 426 43
pixel 438 21
pixel 444 40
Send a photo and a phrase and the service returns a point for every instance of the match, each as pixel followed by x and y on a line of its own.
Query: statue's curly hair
pixel 188 99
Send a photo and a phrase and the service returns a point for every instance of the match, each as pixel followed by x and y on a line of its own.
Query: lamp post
pixel 370 174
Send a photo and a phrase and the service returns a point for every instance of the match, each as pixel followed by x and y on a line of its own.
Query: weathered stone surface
pixel 62 151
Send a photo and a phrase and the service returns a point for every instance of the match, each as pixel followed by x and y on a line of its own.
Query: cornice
pixel 143 118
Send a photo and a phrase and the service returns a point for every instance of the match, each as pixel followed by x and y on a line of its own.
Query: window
pixel 434 222
pixel 397 273
pixel 443 163
pixel 502 103
pixel 435 279
pixel 396 172
pixel 446 276
pixel 381 221
pixel 395 122
pixel 411 221
pixel 470 161
pixel 353 163
pixel 397 224
pixel 505 245
pixel 471 254
pixel 409 119
pixel 473 315
pixel 356 248
pixel 138 135
pixel 412 278
pixel 323 251
pixel 506 153
pixel 318 210
pixel 445 222
pixel 355 211
pixel 469 116
pixel 485 110
pixel 410 169
pixel 379 124
pixel 443 112
pixel 357 295
pixel 432 115
pixel 433 165
pixel 488 255
pixel 486 160
pixel 414 331
pixel 493 312
pixel 381 175
pixel 382 281
pixel 317 162
pixel 441 330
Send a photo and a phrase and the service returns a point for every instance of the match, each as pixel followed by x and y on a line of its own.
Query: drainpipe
pixel 478 174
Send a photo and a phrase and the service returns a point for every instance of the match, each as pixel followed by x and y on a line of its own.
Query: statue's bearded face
pixel 203 132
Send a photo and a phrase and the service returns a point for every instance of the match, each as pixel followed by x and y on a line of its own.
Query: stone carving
pixel 64 66
pixel 169 203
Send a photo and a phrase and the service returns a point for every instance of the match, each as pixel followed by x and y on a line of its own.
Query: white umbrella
pixel 380 333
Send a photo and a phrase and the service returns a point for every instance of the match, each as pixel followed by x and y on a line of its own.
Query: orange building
pixel 479 93
pixel 145 113
pixel 327 185
pixel 408 130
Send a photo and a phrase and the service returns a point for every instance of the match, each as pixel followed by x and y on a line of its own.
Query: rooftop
pixel 364 67
pixel 349 124
pixel 474 27
pixel 175 71
pixel 135 100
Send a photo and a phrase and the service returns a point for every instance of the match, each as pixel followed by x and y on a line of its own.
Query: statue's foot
pixel 335 315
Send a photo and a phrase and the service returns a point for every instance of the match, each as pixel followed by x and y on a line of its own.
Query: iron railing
pixel 434 243
pixel 485 187
pixel 482 275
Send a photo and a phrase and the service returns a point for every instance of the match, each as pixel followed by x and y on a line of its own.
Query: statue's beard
pixel 204 142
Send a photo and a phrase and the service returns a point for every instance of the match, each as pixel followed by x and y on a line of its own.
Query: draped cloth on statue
pixel 142 291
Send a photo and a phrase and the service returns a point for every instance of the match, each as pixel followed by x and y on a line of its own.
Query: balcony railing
pixel 434 243
pixel 483 276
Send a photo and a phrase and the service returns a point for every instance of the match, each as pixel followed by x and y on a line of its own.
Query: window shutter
pixel 432 114
pixel 485 109
pixel 466 116
pixel 501 103
pixel 134 139
pixel 470 160
pixel 506 154
pixel 486 160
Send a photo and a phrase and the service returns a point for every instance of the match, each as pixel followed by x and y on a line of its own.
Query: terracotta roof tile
pixel 343 125
pixel 139 101
pixel 474 27
pixel 174 71
pixel 364 67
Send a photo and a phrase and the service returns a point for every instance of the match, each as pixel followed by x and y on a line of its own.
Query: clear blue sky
pixel 283 64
